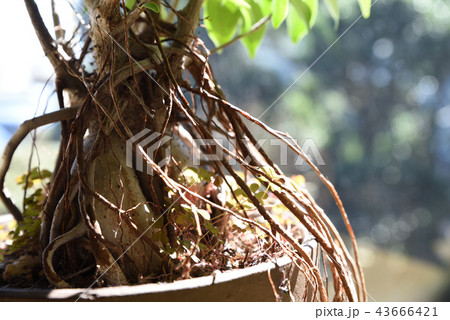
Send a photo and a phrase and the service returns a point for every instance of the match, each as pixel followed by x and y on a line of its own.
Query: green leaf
pixel 279 12
pixel 314 7
pixel 365 6
pixel 221 20
pixel 261 195
pixel 152 6
pixel 254 187
pixel 333 9
pixel 235 227
pixel 302 10
pixel 307 10
pixel 239 192
pixel 191 175
pixel 266 7
pixel 253 40
pixel 270 172
pixel 236 4
pixel 45 173
pixel 218 181
pixel 296 26
pixel 212 228
pixel 130 4
pixel 205 175
pixel 274 187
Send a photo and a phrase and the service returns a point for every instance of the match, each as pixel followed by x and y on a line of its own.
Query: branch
pixel 43 35
pixel 17 138
pixel 188 20
pixel 254 28
pixel 47 257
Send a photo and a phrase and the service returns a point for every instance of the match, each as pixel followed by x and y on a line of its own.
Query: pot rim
pixel 309 245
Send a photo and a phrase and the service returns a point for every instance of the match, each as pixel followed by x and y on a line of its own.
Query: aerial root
pixel 24 129
pixel 47 257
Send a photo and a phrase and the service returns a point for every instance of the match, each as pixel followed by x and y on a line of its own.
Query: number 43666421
pixel 405 311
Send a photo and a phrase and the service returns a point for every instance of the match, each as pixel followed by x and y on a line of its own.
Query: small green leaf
pixel 221 20
pixel 302 10
pixel 365 6
pixel 333 9
pixel 235 227
pixel 296 26
pixel 218 181
pixel 45 173
pixel 254 187
pixel 35 174
pixel 307 10
pixel 212 228
pixel 230 204
pixel 190 175
pixel 251 17
pixel 262 195
pixel 270 172
pixel 279 12
pixel 152 6
pixel 236 4
pixel 248 205
pixel 205 175
pixel 314 7
pixel 274 187
pixel 186 244
pixel 129 4
pixel 240 192
pixel 266 7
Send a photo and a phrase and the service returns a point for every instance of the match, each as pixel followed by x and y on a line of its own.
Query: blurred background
pixel 376 105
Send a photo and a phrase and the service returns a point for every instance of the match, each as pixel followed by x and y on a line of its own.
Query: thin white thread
pixel 312 64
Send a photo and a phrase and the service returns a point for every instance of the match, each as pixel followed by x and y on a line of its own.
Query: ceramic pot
pixel 249 284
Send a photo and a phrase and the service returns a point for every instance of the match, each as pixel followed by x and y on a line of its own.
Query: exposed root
pixel 20 134
pixel 163 224
pixel 47 257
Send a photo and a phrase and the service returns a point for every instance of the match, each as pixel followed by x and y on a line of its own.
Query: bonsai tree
pixel 158 176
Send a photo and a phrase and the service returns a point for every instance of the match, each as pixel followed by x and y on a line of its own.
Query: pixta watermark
pixel 203 151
